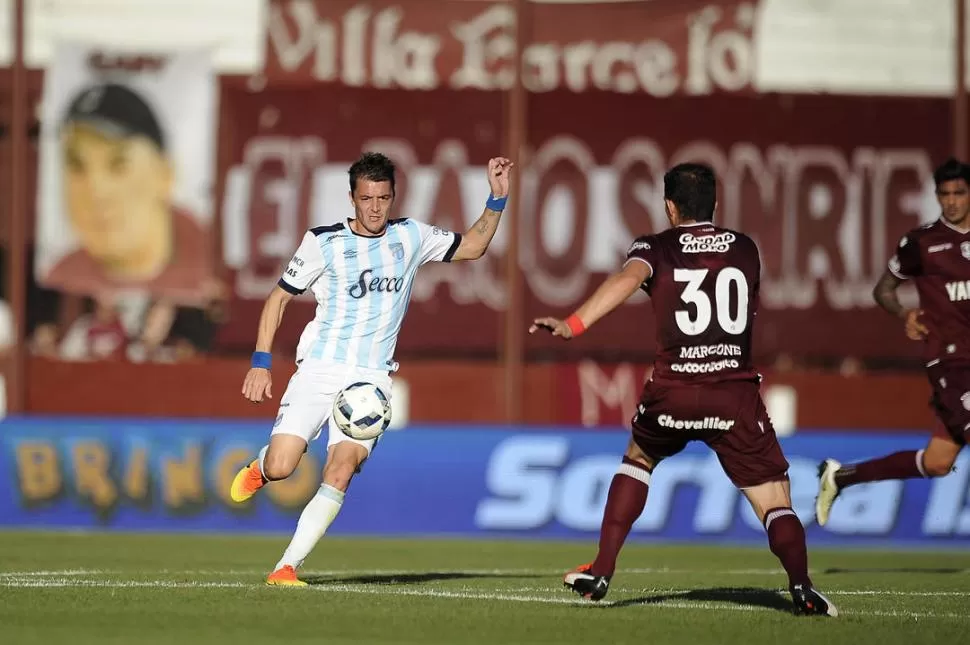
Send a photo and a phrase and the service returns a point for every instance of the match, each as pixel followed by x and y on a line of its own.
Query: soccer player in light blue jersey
pixel 361 272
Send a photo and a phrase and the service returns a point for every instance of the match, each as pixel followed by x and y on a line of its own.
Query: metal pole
pixel 516 110
pixel 17 388
pixel 960 94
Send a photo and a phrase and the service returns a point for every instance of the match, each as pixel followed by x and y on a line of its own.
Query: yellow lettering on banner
pixel 297 489
pixel 136 476
pixel 91 478
pixel 182 479
pixel 37 471
pixel 226 471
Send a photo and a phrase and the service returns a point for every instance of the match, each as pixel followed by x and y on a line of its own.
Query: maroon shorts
pixel 951 402
pixel 729 417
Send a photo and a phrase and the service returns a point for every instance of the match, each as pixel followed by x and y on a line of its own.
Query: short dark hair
pixel 373 166
pixel 693 189
pixel 951 169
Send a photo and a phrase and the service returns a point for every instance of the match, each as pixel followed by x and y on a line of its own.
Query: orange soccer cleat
pixel 247 482
pixel 285 576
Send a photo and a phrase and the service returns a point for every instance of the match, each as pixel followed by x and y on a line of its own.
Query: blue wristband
pixel 262 359
pixel 496 204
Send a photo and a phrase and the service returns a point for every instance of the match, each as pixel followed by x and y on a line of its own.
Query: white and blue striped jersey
pixel 362 286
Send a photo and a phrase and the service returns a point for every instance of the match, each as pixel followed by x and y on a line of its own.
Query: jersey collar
pixel 369 237
pixel 951 226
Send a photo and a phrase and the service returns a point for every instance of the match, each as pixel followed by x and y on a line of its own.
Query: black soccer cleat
pixel 809 602
pixel 586 584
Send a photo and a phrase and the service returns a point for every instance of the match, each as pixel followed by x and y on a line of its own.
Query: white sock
pixel 262 459
pixel 314 522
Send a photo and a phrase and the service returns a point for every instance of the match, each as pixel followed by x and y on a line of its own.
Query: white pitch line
pixel 119 584
pixel 386 572
pixel 756 592
pixel 393 572
pixel 437 593
pixel 62 572
pixel 22 576
pixel 914 594
pixel 47 579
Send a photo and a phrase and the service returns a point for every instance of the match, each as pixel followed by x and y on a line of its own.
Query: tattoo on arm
pixel 476 239
pixel 885 295
pixel 484 222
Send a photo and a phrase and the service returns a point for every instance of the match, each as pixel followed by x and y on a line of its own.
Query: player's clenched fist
pixel 498 176
pixel 258 382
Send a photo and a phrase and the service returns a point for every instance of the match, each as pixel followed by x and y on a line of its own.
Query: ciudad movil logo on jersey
pixel 368 282
pixel 719 243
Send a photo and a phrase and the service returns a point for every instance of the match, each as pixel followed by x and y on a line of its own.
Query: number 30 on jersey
pixel 732 322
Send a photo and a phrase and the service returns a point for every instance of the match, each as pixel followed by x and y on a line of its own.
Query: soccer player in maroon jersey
pixel 703 281
pixel 936 257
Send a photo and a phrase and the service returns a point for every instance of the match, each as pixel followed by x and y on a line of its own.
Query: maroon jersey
pixel 704 289
pixel 937 258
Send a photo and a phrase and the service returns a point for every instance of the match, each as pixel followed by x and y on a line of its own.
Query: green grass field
pixel 105 589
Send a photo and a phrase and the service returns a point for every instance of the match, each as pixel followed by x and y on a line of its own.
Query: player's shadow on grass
pixel 896 570
pixel 409 578
pixel 745 596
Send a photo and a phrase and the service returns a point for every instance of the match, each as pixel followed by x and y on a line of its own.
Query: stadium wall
pixel 577 394
pixel 476 481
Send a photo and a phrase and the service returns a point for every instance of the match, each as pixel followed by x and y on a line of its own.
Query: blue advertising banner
pixel 541 482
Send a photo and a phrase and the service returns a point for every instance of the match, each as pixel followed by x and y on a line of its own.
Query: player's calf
pixel 937 465
pixel 907 464
pixel 276 461
pixel 624 504
pixel 936 460
pixel 343 462
pixel 771 501
pixel 278 468
pixel 282 457
pixel 625 501
pixel 786 539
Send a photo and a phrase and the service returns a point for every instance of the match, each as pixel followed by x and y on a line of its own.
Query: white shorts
pixel 308 401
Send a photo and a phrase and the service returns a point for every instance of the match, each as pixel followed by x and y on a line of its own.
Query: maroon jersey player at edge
pixel 703 281
pixel 936 257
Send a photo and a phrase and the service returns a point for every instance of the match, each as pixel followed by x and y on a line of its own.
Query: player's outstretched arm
pixel 886 297
pixel 476 240
pixel 259 381
pixel 611 294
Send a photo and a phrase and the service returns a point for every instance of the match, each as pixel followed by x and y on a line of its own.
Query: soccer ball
pixel 362 411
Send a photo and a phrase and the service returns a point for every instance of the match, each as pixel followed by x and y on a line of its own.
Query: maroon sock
pixel 899 465
pixel 786 539
pixel 624 503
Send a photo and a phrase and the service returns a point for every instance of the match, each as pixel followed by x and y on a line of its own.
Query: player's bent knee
pixel 636 454
pixel 766 496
